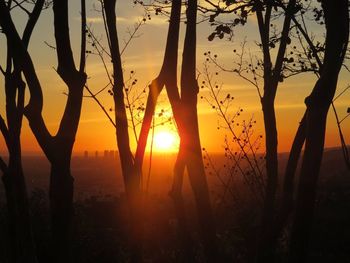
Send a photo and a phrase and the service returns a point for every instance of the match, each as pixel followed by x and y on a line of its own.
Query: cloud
pixel 99 20
pixel 155 20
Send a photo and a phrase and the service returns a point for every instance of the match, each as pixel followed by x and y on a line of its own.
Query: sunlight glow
pixel 165 141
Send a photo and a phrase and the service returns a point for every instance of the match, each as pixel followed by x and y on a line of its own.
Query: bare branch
pixel 83 37
pixel 5 132
pixel 33 18
pixel 100 105
pixel 3 166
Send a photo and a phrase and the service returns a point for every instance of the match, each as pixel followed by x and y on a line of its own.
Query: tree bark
pixel 179 206
pixel 318 103
pixel 20 229
pixel 132 177
pixel 58 148
pixel 189 134
pixel 61 206
pixel 167 77
pixel 287 201
pixel 266 243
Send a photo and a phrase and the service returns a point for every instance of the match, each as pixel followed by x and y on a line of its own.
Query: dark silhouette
pixel 336 17
pixel 190 153
pixel 132 167
pixel 22 247
pixel 131 177
pixel 185 112
pixel 287 202
pixel 255 223
pixel 272 76
pixel 168 78
pixel 58 148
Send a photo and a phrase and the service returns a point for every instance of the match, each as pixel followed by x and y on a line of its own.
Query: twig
pixel 101 106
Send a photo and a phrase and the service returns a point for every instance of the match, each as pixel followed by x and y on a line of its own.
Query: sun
pixel 165 141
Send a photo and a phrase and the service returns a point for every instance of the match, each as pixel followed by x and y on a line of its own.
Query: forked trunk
pixel 189 134
pixel 316 127
pixel 287 201
pixel 318 103
pixel 21 239
pixel 58 148
pixel 176 195
pixel 272 73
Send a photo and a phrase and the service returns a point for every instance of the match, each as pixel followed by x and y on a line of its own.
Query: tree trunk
pixel 132 177
pixel 266 244
pixel 308 180
pixel 58 148
pixel 179 206
pixel 318 103
pixel 21 236
pixel 189 134
pixel 196 173
pixel 287 202
pixel 61 207
pixel 20 229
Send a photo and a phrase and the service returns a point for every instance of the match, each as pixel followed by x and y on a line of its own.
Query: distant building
pixel 96 154
pixel 110 154
pixel 86 154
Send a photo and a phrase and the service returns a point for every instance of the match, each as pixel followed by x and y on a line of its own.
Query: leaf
pixel 229 2
pixel 211 36
pixel 226 29
pixel 212 18
pixel 288 40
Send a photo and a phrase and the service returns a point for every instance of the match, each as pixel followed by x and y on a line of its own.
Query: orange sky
pixel 144 56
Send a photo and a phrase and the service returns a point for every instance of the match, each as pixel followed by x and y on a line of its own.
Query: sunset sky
pixel 144 56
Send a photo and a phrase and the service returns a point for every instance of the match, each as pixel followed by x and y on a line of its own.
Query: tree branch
pixel 3 166
pixel 33 18
pixel 66 67
pixel 5 132
pixel 34 108
pixel 167 76
pixel 83 37
pixel 289 13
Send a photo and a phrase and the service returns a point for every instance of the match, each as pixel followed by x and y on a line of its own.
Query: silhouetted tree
pixel 168 78
pixel 190 152
pixel 20 231
pixel 272 72
pixel 132 166
pixel 131 177
pixel 185 112
pixel 336 17
pixel 57 148
pixel 316 64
